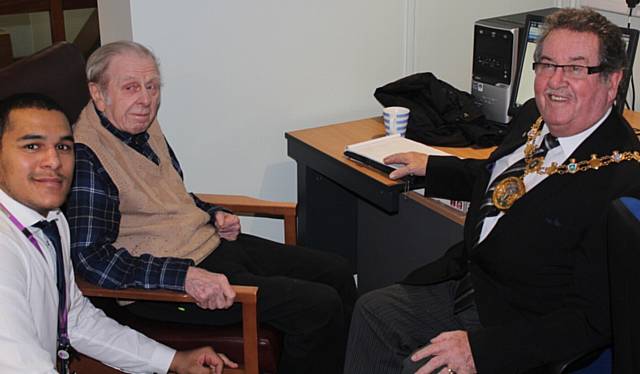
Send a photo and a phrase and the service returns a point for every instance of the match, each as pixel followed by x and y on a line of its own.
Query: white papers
pixel 377 149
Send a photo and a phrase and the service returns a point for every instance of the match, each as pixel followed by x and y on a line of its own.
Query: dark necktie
pixel 464 293
pixel 487 209
pixel 50 229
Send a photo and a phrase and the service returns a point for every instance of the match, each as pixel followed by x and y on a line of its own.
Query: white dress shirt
pixel 29 307
pixel 558 155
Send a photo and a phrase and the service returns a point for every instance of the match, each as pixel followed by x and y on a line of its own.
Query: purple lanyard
pixel 63 337
pixel 22 229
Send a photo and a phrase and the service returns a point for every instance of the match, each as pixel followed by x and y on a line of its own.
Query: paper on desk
pixel 377 149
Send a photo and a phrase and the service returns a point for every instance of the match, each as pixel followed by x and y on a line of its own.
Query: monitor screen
pixel 525 79
pixel 523 85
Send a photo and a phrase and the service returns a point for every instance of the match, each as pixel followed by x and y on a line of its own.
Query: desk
pixel 359 213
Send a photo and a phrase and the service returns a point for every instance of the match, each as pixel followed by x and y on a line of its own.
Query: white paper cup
pixel 396 119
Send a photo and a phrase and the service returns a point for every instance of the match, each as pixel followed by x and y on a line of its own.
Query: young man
pixel 43 312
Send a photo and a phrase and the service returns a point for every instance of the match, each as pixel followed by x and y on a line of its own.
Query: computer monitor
pixel 523 85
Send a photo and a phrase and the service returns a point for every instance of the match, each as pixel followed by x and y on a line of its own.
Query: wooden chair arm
pixel 245 205
pixel 246 295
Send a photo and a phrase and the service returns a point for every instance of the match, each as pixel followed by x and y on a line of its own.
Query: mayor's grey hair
pixel 612 53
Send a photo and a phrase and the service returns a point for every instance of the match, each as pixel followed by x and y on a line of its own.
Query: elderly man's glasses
pixel 546 69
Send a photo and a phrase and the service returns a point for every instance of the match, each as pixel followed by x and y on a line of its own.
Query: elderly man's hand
pixel 200 361
pixel 415 163
pixel 211 290
pixel 228 225
pixel 450 350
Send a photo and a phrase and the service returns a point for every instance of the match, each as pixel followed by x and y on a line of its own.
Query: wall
pixel 444 34
pixel 115 20
pixel 31 32
pixel 19 27
pixel 41 27
pixel 74 21
pixel 239 74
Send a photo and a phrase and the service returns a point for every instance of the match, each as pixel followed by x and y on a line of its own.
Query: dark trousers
pixel 307 294
pixel 391 323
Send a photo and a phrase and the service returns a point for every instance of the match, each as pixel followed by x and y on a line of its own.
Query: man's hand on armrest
pixel 200 360
pixel 228 225
pixel 211 290
pixel 415 163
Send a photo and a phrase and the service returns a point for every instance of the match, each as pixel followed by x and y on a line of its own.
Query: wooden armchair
pixel 247 296
pixel 249 206
pixel 58 71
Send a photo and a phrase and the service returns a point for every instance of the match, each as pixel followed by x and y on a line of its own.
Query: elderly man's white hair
pixel 99 60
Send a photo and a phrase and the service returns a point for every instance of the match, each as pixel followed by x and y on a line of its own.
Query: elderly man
pixel 133 224
pixel 43 312
pixel 528 285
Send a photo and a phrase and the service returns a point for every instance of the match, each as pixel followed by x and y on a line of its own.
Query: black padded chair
pixel 623 228
pixel 623 249
pixel 57 71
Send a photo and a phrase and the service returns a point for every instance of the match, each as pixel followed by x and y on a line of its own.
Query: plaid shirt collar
pixel 139 142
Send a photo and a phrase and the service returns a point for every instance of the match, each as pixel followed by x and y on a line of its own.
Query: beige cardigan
pixel 158 216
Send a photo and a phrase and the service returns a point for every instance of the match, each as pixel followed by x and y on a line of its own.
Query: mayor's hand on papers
pixel 414 163
pixel 393 155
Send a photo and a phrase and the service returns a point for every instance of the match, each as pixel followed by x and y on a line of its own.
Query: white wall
pixel 239 74
pixel 115 20
pixel 41 28
pixel 31 32
pixel 444 34
pixel 74 20
pixel 19 27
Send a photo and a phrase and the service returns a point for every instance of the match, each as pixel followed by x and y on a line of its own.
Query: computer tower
pixel 495 59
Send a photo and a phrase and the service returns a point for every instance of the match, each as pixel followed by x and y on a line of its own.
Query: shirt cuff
pixel 161 358
pixel 179 268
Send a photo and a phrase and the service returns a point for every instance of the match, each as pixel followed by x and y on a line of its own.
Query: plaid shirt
pixel 94 219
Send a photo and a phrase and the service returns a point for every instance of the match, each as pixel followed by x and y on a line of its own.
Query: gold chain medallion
pixel 509 190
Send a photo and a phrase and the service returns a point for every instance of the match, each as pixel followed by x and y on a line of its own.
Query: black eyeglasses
pixel 546 69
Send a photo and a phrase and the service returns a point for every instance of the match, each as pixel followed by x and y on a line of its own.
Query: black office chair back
pixel 56 71
pixel 623 237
